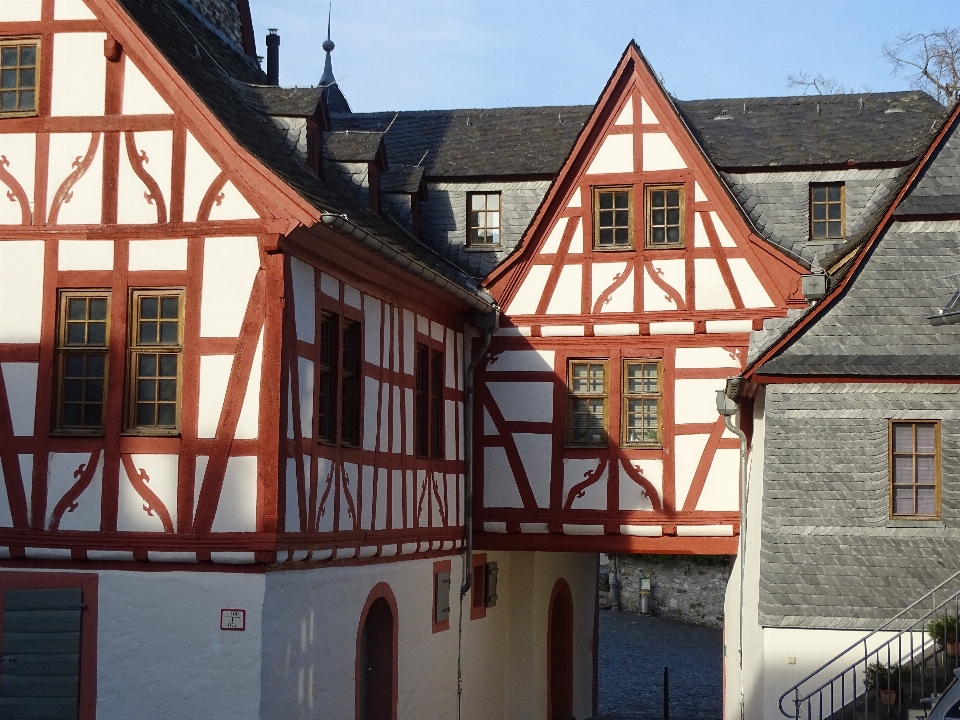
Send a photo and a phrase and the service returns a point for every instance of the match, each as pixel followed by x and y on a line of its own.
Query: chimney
pixel 273 57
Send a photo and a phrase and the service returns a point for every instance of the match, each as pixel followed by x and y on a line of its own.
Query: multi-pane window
pixel 587 402
pixel 155 360
pixel 83 336
pixel 914 469
pixel 328 376
pixel 18 78
pixel 826 211
pixel 612 218
pixel 428 402
pixel 641 402
pixel 483 219
pixel 350 384
pixel 664 210
pixel 339 370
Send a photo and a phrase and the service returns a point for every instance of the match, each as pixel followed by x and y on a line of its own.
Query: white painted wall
pixel 312 619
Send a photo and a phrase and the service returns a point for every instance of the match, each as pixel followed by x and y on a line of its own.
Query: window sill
pixel 77 433
pixel 932 523
pixel 826 240
pixel 483 248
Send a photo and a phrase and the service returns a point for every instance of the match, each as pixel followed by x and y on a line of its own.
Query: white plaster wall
pixel 79 74
pixel 157 150
pixel 20 150
pixel 566 296
pixel 230 266
pixel 659 153
pixel 84 205
pixel 614 156
pixel 161 652
pixel 21 290
pixel 310 635
pixel 528 296
pixel 139 95
pixel 22 10
pixel 20 380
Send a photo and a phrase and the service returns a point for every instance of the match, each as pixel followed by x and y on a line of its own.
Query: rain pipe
pixel 727 407
pixel 487 325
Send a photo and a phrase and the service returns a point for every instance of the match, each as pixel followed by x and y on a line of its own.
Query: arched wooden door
pixel 377 660
pixel 560 653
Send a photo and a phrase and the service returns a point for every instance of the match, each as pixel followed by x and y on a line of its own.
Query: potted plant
pixel 945 634
pixel 885 680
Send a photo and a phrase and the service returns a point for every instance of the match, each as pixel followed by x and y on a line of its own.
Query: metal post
pixel 666 693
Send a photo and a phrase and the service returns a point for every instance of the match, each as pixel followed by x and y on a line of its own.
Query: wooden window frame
pixel 20 42
pixel 470 242
pixel 430 428
pixel 648 191
pixel 332 432
pixel 134 349
pixel 572 397
pixel 937 476
pixel 631 243
pixel 827 203
pixel 626 396
pixel 63 349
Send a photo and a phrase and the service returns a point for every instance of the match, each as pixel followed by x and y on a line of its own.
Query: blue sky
pixel 436 54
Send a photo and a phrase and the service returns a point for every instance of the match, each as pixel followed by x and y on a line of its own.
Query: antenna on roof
pixel 818 108
pixel 422 159
pixel 861 103
pixel 559 119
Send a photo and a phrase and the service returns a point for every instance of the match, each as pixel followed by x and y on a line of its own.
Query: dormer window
pixel 483 220
pixel 827 221
pixel 18 78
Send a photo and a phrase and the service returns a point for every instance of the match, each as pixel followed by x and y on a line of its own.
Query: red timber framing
pixel 416 502
pixel 110 464
pixel 567 298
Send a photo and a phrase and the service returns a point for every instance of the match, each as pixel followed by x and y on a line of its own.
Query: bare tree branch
pixel 820 83
pixel 931 59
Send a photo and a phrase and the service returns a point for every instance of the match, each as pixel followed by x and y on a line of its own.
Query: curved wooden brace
pixel 639 479
pixel 214 195
pixel 658 280
pixel 138 161
pixel 68 503
pixel 16 193
pixel 80 165
pixel 138 479
pixel 618 281
pixel 591 478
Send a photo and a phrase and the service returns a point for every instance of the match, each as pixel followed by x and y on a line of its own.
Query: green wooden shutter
pixel 40 654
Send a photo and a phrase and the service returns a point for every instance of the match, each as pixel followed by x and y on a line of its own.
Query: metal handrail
pixel 853 677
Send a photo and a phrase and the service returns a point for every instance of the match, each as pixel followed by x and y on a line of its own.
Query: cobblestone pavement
pixel 633 652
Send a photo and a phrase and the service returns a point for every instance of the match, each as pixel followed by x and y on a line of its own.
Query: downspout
pixel 727 407
pixel 487 325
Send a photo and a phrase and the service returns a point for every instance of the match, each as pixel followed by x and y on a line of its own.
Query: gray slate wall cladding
pixel 779 204
pixel 829 556
pixel 938 190
pixel 444 220
pixel 879 326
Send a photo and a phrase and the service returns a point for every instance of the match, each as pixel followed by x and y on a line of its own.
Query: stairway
pixel 900 656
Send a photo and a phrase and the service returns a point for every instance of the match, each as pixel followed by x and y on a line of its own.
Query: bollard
pixel 666 693
pixel 645 596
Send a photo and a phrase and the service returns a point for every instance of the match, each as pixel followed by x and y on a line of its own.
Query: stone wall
pixel 688 588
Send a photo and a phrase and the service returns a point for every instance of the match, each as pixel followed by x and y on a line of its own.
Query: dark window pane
pixel 8 101
pixel 148 333
pixel 621 236
pixel 168 333
pixel 606 236
pixel 98 308
pixel 145 414
pixel 76 334
pixel 92 415
pixel 72 414
pixel 77 309
pixel 657 217
pixel 146 390
pixel 474 219
pixel 926 501
pixel 673 216
pixel 8 56
pixel 97 333
pixel 606 201
pixel 658 236
pixel 819 229
pixel 148 365
pixel 903 501
pixel 168 390
pixel 621 200
pixel 27 101
pixel 903 469
pixel 73 390
pixel 95 365
pixel 673 235
pixel 8 79
pixel 903 437
pixel 149 308
pixel 73 365
pixel 833 212
pixel 819 212
pixel 621 218
pixel 166 415
pixel 833 229
pixel 28 55
pixel 170 308
pixel 925 437
pixel 925 469
pixel 94 391
pixel 606 218
pixel 28 78
pixel 658 199
pixel 819 194
pixel 168 366
pixel 833 193
pixel 673 198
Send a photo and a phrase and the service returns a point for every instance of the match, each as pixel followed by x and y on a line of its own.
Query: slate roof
pixel 231 85
pixel 937 191
pixel 289 102
pixel 352 146
pixel 401 179
pixel 889 127
pixel 477 142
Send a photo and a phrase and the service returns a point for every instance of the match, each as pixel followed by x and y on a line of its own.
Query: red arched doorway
pixel 560 653
pixel 376 672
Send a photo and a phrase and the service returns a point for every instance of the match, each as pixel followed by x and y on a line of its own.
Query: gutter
pixel 487 325
pixel 345 227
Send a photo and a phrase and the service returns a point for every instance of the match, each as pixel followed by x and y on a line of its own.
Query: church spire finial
pixel 328 47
